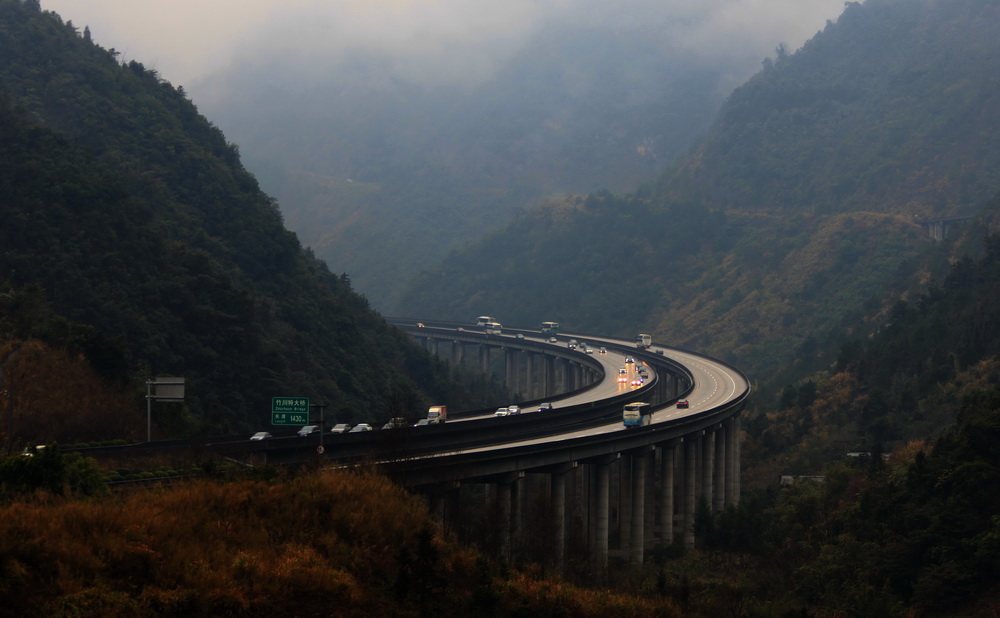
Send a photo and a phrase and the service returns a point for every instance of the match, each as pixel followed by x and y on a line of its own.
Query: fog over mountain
pixel 187 40
pixel 394 132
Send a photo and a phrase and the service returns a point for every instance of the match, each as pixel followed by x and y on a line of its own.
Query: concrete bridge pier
pixel 720 469
pixel 557 498
pixel 506 496
pixel 734 476
pixel 690 488
pixel 484 359
pixel 668 458
pixel 512 369
pixel 549 376
pixel 706 468
pixel 623 490
pixel 640 467
pixel 599 503
pixel 649 512
pixel 534 378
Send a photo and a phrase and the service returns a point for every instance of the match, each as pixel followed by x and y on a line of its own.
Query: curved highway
pixel 638 485
pixel 614 359
pixel 714 390
pixel 715 385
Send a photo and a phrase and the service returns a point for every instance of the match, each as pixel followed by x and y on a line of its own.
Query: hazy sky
pixel 189 40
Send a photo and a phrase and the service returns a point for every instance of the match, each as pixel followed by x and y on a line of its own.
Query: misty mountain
pixel 892 110
pixel 792 224
pixel 129 218
pixel 383 174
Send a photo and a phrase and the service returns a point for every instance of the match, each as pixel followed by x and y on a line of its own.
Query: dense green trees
pixel 45 469
pixel 137 225
pixel 919 531
pixel 918 534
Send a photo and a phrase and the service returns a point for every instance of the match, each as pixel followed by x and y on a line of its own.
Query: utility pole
pixel 322 431
pixel 5 392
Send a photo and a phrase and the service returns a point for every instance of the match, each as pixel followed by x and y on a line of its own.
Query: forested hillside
pixel 895 109
pixel 919 531
pixel 132 235
pixel 910 380
pixel 795 223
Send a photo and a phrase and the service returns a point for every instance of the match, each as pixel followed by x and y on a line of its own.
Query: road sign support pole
pixel 149 410
pixel 322 424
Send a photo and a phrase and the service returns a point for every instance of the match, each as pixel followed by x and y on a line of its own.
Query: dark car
pixel 683 403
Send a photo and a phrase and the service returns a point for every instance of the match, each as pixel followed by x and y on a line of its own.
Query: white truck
pixel 437 414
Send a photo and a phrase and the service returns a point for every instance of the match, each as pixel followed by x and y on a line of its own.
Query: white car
pixel 502 412
pixel 261 435
pixel 340 428
pixel 513 409
pixel 361 427
pixel 308 430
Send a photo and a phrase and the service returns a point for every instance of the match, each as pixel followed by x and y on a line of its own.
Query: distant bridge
pixel 938 229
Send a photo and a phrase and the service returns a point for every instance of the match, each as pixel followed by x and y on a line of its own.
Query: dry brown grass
pixel 321 543
pixel 213 548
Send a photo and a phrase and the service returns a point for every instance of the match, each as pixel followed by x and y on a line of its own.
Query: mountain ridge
pixel 774 177
pixel 128 212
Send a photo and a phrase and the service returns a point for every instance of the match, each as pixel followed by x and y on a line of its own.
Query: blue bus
pixel 637 414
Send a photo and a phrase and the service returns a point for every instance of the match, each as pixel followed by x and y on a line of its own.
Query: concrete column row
pixel 644 497
pixel 535 375
pixel 641 498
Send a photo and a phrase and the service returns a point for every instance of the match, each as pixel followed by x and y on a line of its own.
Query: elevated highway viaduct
pixel 623 491
pixel 573 481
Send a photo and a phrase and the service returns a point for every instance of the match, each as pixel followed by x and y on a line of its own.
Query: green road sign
pixel 289 410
